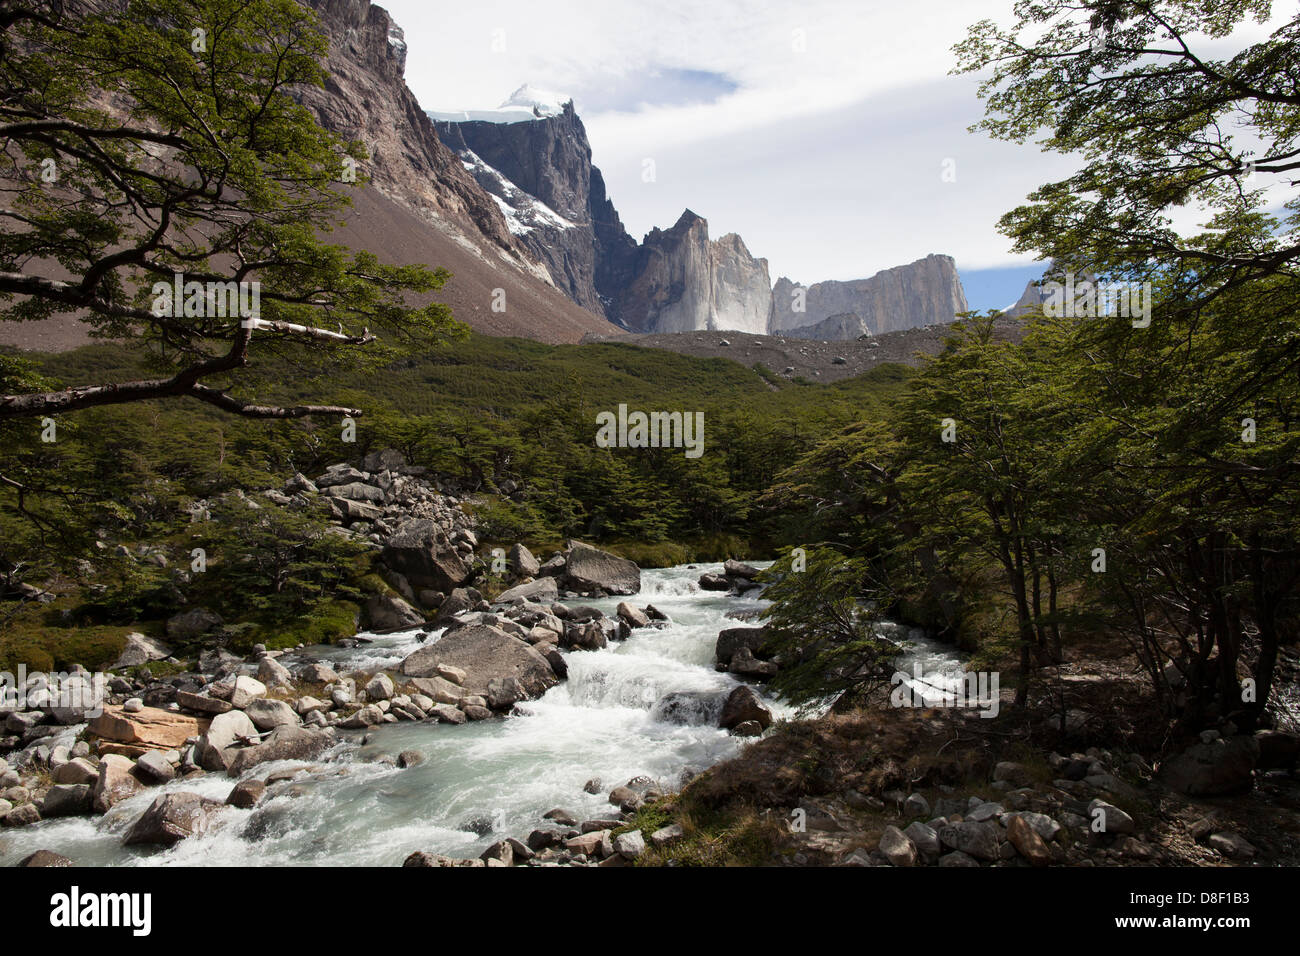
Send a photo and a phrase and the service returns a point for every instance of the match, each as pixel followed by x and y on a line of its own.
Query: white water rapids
pixel 479 782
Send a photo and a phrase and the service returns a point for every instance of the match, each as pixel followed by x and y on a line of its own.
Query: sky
pixel 828 134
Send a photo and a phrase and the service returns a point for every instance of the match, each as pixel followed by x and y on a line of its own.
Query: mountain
pixel 925 292
pixel 536 162
pixel 684 282
pixel 423 202
pixel 532 154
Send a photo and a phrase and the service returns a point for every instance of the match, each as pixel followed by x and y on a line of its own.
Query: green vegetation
pixel 1106 474
pixel 137 475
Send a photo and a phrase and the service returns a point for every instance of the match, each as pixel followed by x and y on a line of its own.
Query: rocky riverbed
pixel 448 738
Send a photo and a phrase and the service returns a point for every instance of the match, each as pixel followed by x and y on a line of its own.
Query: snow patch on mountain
pixel 523 211
pixel 523 105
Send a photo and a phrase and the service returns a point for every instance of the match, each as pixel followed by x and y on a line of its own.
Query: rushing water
pixel 479 782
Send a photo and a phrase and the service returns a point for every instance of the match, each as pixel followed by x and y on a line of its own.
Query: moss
pixel 323 624
pixel 37 637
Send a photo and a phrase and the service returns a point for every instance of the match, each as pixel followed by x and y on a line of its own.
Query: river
pixel 479 782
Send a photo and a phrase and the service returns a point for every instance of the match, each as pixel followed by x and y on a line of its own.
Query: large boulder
pixel 140 650
pixel 171 818
pixel 358 491
pixel 149 729
pixel 1214 768
pixel 484 652
pixel 285 743
pixel 388 611
pixel 737 569
pixel 744 704
pixel 732 639
pixel 225 734
pixel 267 714
pixel 66 800
pixel 115 783
pixel 425 555
pixel 590 569
pixel 541 591
pixel 238 692
pixel 522 563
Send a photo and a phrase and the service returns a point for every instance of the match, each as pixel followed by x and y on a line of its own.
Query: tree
pixel 821 626
pixel 161 183
pixel 1190 434
pixel 1160 125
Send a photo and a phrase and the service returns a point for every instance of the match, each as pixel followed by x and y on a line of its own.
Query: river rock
pixel 1042 824
pixel 44 858
pixel 979 840
pixel 273 674
pixel 422 552
pixel 171 818
pixel 484 652
pixel 240 692
pixel 317 673
pixel 154 768
pixel 267 714
pixel 629 845
pixel 1027 842
pixel 246 794
pixel 745 664
pixel 66 800
pixel 926 840
pixel 380 687
pixel 540 591
pixel 897 847
pixel 440 689
pixel 916 806
pixel 521 562
pixel 713 582
pixel 22 816
pixel 1232 845
pixel 590 569
pixel 744 704
pixel 388 611
pixel 666 836
pixel 217 747
pixel 79 770
pixel 447 714
pixel 151 728
pixel 114 783
pixel 1113 819
pixel 140 650
pixel 732 639
pixel 1210 769
pixel 738 569
pixel 201 703
pixel 285 743
pixel 597 844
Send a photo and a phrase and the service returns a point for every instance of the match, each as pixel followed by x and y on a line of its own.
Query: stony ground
pixel 794 358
